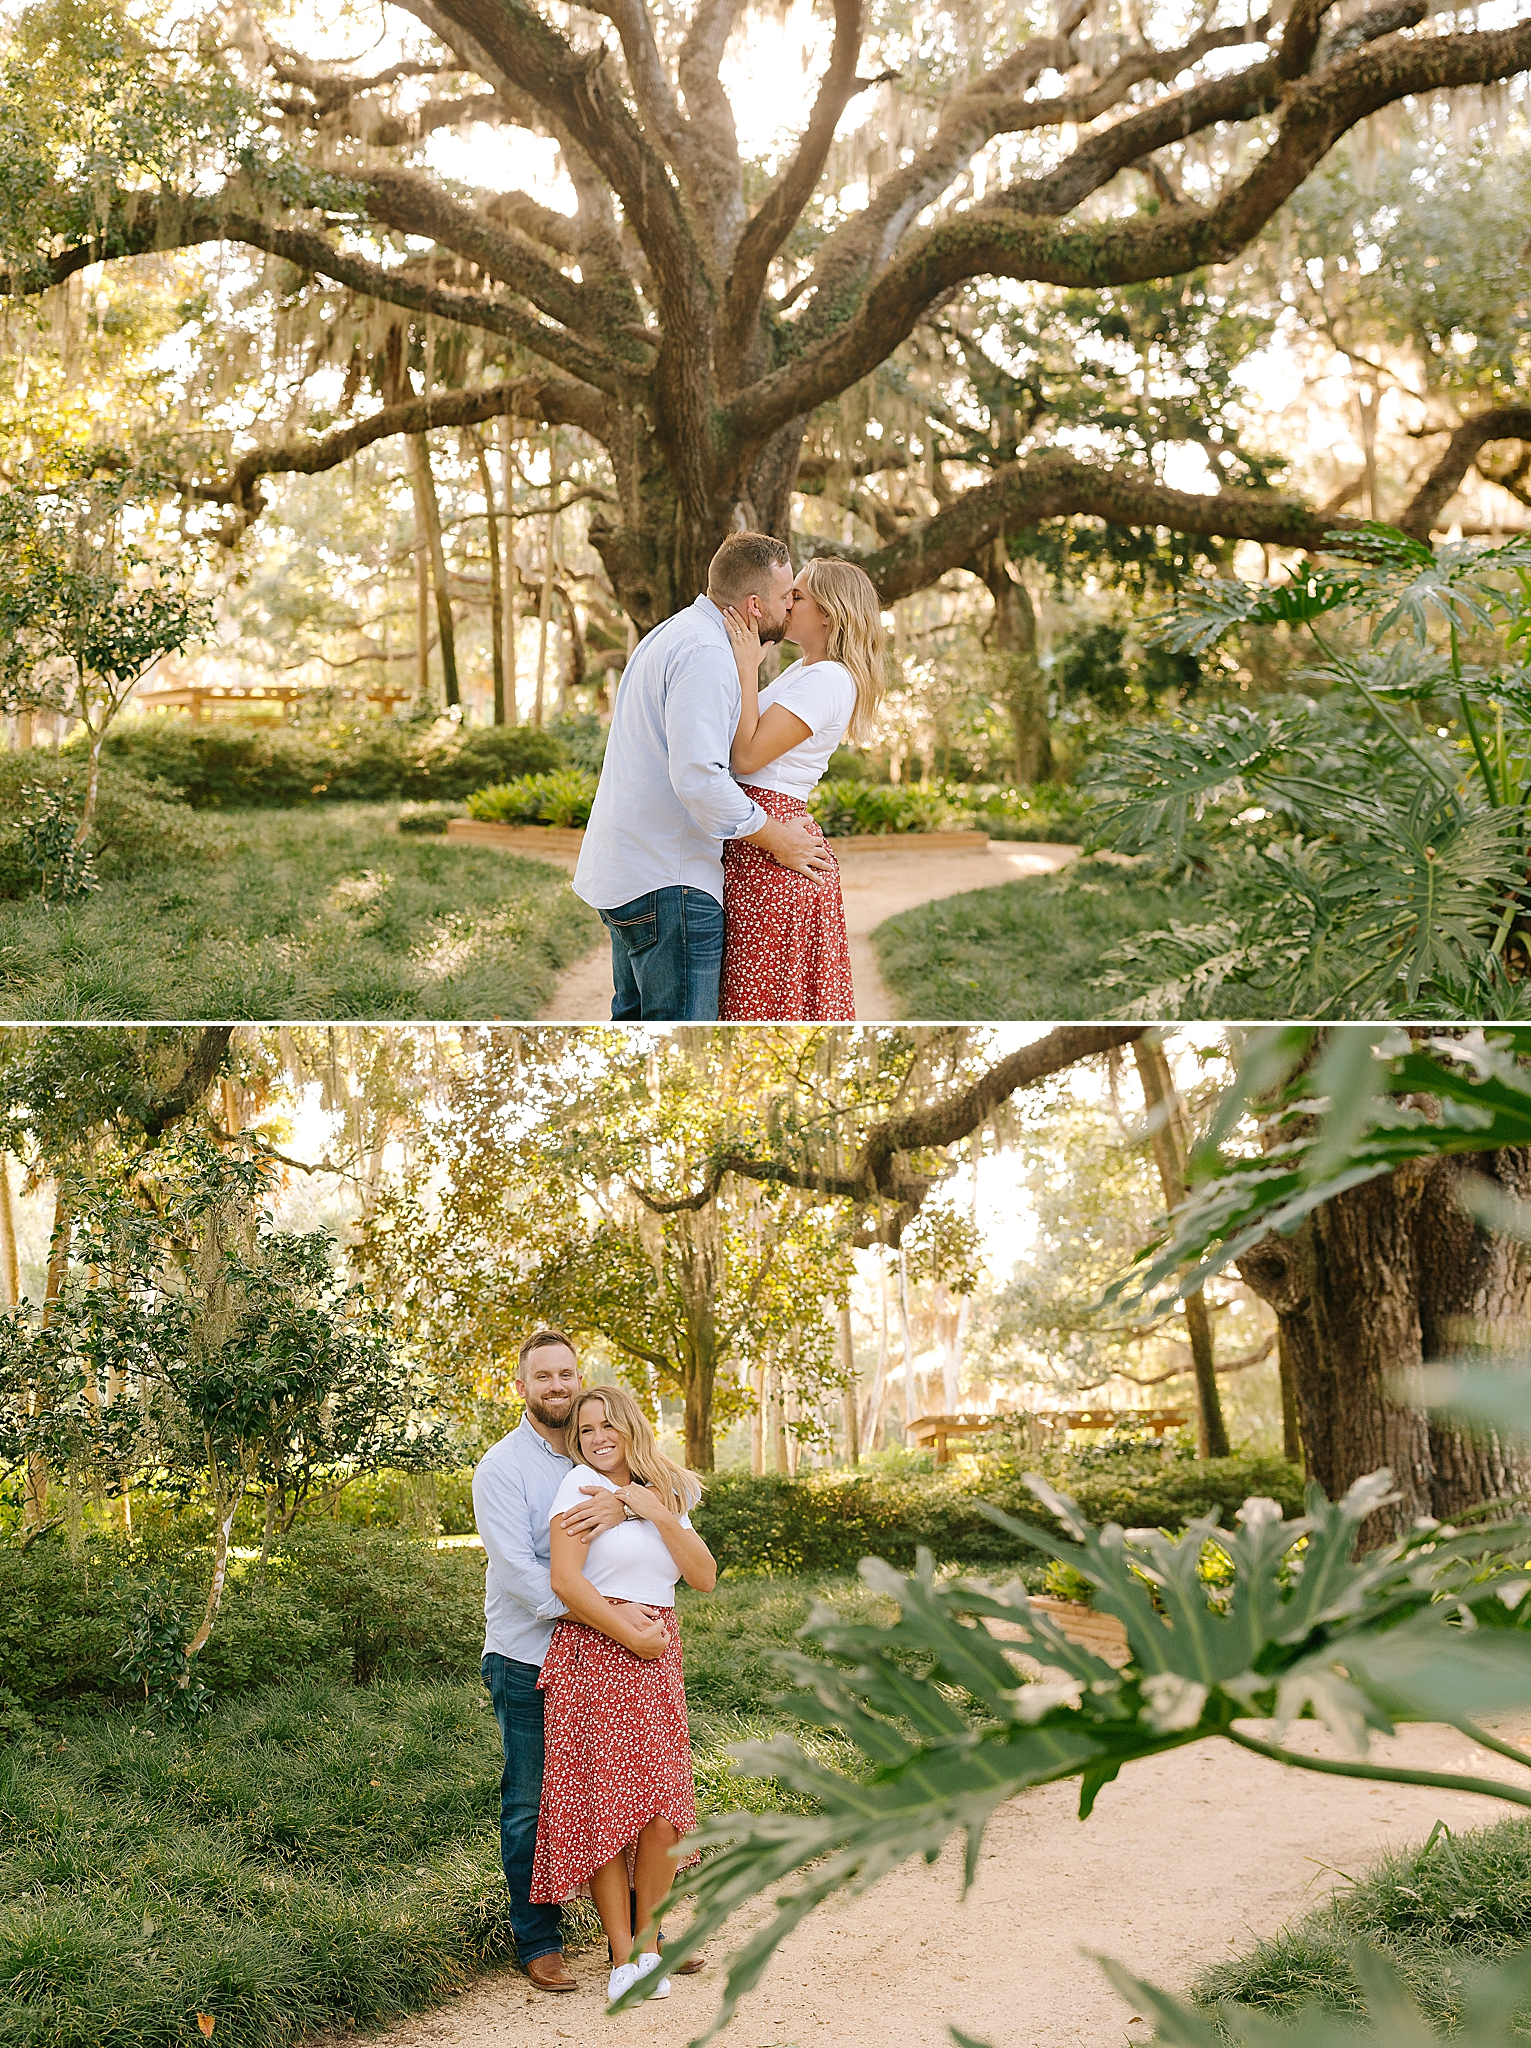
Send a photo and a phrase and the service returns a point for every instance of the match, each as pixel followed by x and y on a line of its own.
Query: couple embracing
pixel 586 1529
pixel 721 895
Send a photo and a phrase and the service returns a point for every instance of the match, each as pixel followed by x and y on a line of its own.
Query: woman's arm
pixel 631 1626
pixel 698 1567
pixel 758 739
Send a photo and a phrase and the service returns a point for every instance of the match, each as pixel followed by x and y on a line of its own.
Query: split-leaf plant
pixel 1364 851
pixel 949 1724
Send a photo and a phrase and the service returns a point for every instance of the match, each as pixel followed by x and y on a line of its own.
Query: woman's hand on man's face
pixel 745 635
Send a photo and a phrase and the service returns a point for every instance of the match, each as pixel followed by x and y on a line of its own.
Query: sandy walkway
pixel 875 886
pixel 1186 1859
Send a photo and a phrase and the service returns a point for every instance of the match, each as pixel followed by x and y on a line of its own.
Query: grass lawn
pixel 1028 949
pixel 1465 1898
pixel 314 913
pixel 313 1853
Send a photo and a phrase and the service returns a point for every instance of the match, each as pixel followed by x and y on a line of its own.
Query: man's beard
pixel 539 1412
pixel 772 636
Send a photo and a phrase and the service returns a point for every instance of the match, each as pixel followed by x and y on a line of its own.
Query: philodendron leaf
pixel 949 1725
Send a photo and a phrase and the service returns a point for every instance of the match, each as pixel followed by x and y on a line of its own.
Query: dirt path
pixel 1186 1859
pixel 875 886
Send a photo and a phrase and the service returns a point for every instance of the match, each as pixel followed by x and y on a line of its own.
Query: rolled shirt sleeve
pixel 700 718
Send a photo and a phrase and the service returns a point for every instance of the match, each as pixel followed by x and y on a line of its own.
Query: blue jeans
pixel 666 956
pixel 518 1709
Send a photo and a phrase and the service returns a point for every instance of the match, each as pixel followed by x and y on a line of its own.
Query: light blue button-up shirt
pixel 513 1488
pixel 666 800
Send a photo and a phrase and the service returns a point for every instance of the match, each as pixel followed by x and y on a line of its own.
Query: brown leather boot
pixel 549 1972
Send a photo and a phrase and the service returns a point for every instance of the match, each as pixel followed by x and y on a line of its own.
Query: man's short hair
pixel 544 1340
pixel 742 566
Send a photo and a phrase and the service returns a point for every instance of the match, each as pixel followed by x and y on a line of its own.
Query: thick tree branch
pixel 876 1178
pixel 413 203
pixel 530 398
pixel 137 226
pixel 1055 484
pixel 1499 423
pixel 776 217
pixel 1000 240
pixel 580 92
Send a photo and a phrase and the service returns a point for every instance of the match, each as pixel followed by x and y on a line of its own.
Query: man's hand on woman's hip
pixel 792 844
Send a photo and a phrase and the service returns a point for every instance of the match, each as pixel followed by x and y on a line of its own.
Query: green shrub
pixel 333 1603
pixel 842 809
pixel 139 824
pixel 404 1608
pixel 830 1521
pixel 226 767
pixel 1052 811
pixel 562 797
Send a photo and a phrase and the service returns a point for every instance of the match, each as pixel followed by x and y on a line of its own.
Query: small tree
pixel 206 1350
pixel 86 609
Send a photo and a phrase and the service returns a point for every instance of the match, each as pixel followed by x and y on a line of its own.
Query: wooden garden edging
pixel 565 839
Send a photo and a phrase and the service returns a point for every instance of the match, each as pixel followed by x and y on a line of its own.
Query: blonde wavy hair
pixel 848 599
pixel 679 1489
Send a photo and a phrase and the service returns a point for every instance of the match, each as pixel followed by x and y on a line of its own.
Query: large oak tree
pixel 690 322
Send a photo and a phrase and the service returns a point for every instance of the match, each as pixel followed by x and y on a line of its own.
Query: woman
pixel 617 1792
pixel 785 953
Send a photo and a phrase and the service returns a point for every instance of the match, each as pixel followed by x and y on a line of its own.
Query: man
pixel 652 861
pixel 513 1489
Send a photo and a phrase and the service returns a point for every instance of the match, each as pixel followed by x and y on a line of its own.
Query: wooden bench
pixel 940 1429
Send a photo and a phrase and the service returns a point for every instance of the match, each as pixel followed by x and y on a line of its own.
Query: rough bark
pixel 1345 1287
pixel 1474 1300
pixel 657 309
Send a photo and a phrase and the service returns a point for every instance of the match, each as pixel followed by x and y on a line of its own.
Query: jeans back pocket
pixel 636 924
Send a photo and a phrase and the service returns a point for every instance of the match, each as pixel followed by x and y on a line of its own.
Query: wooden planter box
pixel 542 840
pixel 537 840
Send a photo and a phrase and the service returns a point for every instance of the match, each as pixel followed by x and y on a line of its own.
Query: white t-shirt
pixel 823 697
pixel 629 1562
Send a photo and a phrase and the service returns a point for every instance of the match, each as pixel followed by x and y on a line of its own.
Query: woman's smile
pixel 601 1445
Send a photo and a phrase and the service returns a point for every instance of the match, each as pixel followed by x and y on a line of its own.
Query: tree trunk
pixel 545 605
pixel 508 651
pixel 1345 1287
pixel 1291 1428
pixel 1474 1295
pixel 757 1422
pixel 428 521
pixel 848 1393
pixel 906 1338
pixel 10 1268
pixel 496 582
pixel 1170 1148
pixel 1013 638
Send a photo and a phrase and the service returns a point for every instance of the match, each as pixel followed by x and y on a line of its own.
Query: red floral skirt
pixel 785 953
pixel 617 1755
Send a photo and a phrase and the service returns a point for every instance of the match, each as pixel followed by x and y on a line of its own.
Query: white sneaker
pixel 648 1963
pixel 621 1979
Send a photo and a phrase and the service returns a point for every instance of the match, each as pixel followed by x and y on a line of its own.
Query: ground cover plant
pixel 1455 1900
pixel 1030 948
pixel 316 1851
pixel 321 913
